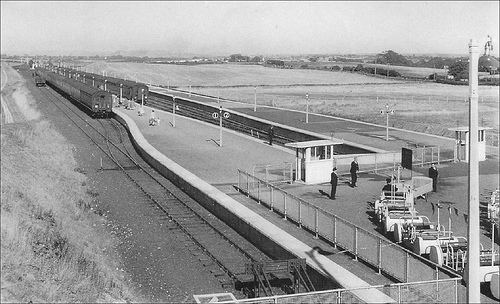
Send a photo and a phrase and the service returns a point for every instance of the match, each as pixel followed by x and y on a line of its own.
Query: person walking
pixel 152 118
pixel 270 133
pixel 354 172
pixel 433 173
pixel 333 181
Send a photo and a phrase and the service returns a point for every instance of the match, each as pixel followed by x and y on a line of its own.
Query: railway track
pixel 221 249
pixel 206 116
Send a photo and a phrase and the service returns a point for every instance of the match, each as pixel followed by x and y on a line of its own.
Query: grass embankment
pixel 54 248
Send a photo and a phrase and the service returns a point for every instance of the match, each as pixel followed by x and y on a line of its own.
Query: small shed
pixel 461 152
pixel 314 160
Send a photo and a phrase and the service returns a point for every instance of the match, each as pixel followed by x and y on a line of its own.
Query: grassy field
pixel 420 106
pixel 54 248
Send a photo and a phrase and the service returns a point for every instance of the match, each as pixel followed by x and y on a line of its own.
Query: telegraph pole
pixel 307 107
pixel 472 268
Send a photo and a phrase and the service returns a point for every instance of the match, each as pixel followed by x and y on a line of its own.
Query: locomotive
pixel 97 101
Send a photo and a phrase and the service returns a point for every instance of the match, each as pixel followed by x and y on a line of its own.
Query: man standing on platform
pixel 333 181
pixel 354 172
pixel 270 133
pixel 433 173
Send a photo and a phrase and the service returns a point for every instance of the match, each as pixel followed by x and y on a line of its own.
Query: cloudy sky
pixel 251 28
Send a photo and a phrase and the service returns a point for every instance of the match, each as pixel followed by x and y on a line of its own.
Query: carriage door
pixel 102 102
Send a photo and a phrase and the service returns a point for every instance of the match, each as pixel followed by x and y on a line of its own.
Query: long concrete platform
pixel 190 157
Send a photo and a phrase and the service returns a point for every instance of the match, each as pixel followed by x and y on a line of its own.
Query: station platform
pixel 363 133
pixel 194 146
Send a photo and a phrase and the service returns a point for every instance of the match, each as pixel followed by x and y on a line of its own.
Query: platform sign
pixel 406 158
pixel 215 115
pixel 226 115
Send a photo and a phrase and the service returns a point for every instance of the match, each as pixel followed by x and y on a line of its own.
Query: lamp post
pixel 255 99
pixel 121 92
pixel 173 111
pixel 387 111
pixel 142 98
pixel 472 268
pixel 307 107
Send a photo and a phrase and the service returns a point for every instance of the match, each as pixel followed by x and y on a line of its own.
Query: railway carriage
pixel 97 101
pixel 131 90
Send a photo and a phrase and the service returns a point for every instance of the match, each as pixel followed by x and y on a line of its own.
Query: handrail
pixel 407 252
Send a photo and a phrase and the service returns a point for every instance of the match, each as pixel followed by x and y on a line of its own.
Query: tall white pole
pixel 121 91
pixel 220 126
pixel 387 122
pixel 473 275
pixel 142 98
pixel 173 112
pixel 307 108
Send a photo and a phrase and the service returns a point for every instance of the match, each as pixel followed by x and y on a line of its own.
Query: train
pixel 96 101
pixel 131 90
pixel 39 81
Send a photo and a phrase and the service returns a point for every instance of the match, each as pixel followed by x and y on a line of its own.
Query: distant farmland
pixel 420 106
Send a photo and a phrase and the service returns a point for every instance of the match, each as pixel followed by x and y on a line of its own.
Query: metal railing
pixel 384 255
pixel 437 291
pixel 383 161
pixel 274 174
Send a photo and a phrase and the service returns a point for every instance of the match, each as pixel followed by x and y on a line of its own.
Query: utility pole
pixel 307 107
pixel 121 91
pixel 472 268
pixel 173 112
pixel 255 99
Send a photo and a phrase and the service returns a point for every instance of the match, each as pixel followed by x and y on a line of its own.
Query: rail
pixel 383 255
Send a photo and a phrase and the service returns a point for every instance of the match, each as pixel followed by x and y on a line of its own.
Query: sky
pixel 249 28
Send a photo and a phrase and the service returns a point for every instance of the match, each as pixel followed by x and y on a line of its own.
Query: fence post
pixel 334 232
pixel 439 150
pixel 379 258
pixel 271 192
pixel 248 185
pixel 300 214
pixel 355 243
pixel 407 268
pixel 423 157
pixel 437 284
pixel 284 205
pixel 399 293
pixel 316 229
pixel 239 187
pixel 258 192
